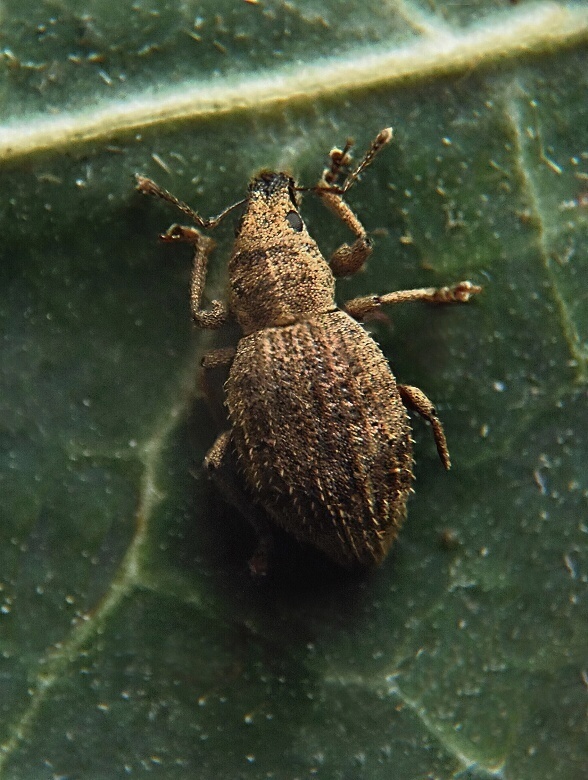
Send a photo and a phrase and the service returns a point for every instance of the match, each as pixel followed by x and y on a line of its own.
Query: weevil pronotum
pixel 319 440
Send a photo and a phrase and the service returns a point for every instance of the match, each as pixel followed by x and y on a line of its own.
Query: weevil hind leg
pixel 415 399
pixel 221 464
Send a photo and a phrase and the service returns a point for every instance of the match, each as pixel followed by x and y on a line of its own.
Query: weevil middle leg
pixel 412 397
pixel 458 293
pixel 218 357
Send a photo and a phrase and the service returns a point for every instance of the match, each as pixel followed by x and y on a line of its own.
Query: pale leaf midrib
pixel 545 26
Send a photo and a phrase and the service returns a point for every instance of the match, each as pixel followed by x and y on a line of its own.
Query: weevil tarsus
pixel 341 158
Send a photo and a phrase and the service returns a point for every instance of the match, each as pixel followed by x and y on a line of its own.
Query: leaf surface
pixel 132 638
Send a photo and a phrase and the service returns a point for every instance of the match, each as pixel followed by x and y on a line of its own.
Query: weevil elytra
pixel 319 436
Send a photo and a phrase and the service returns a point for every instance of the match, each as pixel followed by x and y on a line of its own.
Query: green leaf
pixel 132 638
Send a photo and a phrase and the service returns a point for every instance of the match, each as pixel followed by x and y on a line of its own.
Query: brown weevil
pixel 320 440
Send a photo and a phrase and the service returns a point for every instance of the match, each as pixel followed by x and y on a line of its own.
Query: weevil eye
pixel 295 221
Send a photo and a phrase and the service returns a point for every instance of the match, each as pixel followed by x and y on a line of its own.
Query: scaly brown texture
pixel 320 439
pixel 327 452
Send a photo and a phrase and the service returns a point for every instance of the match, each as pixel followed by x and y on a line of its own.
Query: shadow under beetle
pixel 320 437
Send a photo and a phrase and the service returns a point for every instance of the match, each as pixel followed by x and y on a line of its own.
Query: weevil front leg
pixel 348 259
pixel 415 399
pixel 221 464
pixel 458 293
pixel 217 315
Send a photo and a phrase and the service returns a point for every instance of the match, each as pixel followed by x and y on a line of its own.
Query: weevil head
pixel 272 206
pixel 271 185
pixel 277 273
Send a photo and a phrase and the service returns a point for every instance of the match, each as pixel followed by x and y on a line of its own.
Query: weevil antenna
pixel 149 187
pixel 340 158
pixel 379 142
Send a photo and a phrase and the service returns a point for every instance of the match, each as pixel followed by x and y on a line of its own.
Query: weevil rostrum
pixel 319 437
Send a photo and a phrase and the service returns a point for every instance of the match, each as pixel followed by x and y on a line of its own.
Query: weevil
pixel 319 441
